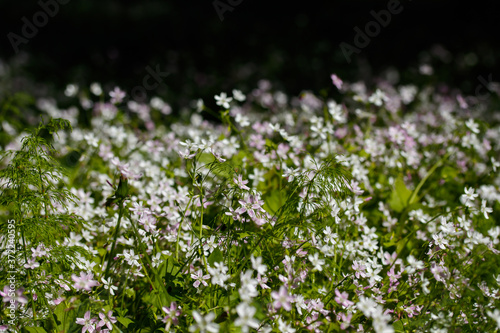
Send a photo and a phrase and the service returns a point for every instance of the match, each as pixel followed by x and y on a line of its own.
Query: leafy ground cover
pixel 357 209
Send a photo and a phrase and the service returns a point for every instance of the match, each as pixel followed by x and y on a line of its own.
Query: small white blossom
pixel 223 100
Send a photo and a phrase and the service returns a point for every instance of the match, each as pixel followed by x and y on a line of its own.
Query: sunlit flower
pixel 89 324
pixel 336 81
pixel 172 313
pixel 473 126
pixel 282 299
pixel 106 320
pixel 246 317
pixel 238 95
pixel 485 210
pixel 117 95
pixel 204 324
pixel 108 285
pixel 241 183
pixel 84 281
pixel 223 100
pixel 200 278
pixel 316 262
pixel 378 98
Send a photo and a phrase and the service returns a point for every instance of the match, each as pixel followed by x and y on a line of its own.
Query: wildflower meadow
pixel 359 208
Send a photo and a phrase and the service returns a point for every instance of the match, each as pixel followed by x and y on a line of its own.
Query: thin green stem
pixel 179 229
pixel 115 238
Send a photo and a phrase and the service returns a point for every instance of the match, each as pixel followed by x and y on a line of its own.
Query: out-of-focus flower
pixel 336 81
pixel 223 100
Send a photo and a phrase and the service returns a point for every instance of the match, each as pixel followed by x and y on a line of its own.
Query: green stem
pixel 179 229
pixel 414 194
pixel 123 293
pixel 19 190
pixel 115 238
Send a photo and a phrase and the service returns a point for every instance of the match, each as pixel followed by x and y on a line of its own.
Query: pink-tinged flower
pixel 233 213
pixel 249 205
pixel 241 183
pixel 186 154
pixel 205 203
pixel 59 300
pixel 262 280
pixel 106 320
pixel 172 312
pixel 282 299
pixel 16 296
pixel 346 320
pixel 217 156
pixel 461 101
pixel 87 322
pixel 200 278
pixel 336 81
pixel 84 281
pixel 343 298
pixel 31 264
pixel 117 95
pixel 40 251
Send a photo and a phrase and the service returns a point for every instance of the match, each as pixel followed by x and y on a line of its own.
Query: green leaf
pixel 129 292
pixel 35 329
pixel 272 201
pixel 215 256
pixel 389 240
pixel 64 317
pixel 398 326
pixel 243 235
pixel 449 173
pixel 399 196
pixel 206 158
pixel 124 321
pixel 400 245
pixel 158 299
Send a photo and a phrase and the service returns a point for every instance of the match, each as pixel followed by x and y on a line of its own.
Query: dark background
pixel 293 44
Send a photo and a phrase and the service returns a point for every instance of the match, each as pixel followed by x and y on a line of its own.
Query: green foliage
pixel 32 192
pixel 399 195
pixel 223 224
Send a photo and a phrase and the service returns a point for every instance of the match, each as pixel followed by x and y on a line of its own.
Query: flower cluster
pixel 374 211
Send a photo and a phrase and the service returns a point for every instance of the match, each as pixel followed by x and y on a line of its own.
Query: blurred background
pixel 295 45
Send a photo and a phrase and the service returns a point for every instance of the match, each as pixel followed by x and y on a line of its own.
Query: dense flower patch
pixel 373 210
